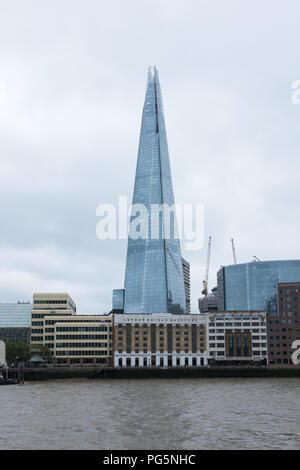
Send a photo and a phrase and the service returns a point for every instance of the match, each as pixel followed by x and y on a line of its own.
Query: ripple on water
pixel 152 414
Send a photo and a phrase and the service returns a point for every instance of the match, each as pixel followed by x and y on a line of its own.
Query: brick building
pixel 283 327
pixel 159 340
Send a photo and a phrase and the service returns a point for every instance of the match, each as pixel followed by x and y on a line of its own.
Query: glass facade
pixel 154 275
pixel 118 299
pixel 15 322
pixel 253 286
pixel 15 315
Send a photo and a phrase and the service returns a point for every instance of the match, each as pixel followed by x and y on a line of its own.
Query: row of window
pixel 288 291
pixel 214 338
pixel 81 353
pixel 222 353
pixel 284 337
pixel 85 337
pixel 146 328
pixel 242 324
pixel 81 345
pixel 236 330
pixel 285 329
pixel 145 351
pixel 284 322
pixel 222 345
pixel 83 328
pixel 71 319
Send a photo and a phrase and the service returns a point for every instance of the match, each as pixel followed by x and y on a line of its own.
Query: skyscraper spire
pixel 154 275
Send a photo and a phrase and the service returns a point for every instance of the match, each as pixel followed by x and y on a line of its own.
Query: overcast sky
pixel 72 84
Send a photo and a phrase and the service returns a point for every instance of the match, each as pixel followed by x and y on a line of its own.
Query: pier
pixel 52 373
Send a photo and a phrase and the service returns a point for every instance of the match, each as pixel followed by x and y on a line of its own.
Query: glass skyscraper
pixel 15 321
pixel 253 286
pixel 154 275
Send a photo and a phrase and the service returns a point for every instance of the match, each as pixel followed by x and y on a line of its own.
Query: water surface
pixel 152 414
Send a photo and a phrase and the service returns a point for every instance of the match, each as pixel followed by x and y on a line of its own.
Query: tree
pixel 43 351
pixel 17 352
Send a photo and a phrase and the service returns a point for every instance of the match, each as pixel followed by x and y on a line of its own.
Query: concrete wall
pixel 2 353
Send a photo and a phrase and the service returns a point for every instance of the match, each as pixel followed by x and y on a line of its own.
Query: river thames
pixel 151 414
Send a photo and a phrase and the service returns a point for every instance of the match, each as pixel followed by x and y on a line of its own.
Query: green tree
pixel 43 351
pixel 17 352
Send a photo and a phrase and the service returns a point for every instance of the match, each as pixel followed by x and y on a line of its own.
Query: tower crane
pixel 233 252
pixel 205 282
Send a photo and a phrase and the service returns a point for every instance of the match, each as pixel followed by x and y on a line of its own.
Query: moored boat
pixel 4 381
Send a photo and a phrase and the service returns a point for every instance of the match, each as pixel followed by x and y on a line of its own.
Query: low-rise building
pixel 237 337
pixel 71 338
pixel 159 340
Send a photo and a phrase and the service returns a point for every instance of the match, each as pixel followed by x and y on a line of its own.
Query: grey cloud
pixel 75 76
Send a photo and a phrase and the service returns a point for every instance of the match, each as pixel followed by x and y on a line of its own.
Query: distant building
pixel 237 337
pixel 253 286
pixel 15 321
pixel 118 301
pixel 71 338
pixel 284 326
pixel 159 340
pixel 209 303
pixel 187 284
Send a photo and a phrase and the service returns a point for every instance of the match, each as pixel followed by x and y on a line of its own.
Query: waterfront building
pixel 283 326
pixel 15 322
pixel 154 279
pixel 253 286
pixel 159 340
pixel 187 284
pixel 71 338
pixel 237 337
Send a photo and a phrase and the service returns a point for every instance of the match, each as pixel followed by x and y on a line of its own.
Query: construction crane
pixel 233 252
pixel 205 282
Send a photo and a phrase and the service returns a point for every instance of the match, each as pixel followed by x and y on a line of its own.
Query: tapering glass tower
pixel 154 274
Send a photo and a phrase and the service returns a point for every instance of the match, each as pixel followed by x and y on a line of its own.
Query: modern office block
pixel 15 322
pixel 71 339
pixel 54 301
pixel 118 298
pixel 253 286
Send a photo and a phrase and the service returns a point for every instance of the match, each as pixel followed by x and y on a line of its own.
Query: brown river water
pixel 151 414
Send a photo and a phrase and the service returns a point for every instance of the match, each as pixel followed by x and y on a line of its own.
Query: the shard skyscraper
pixel 154 275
